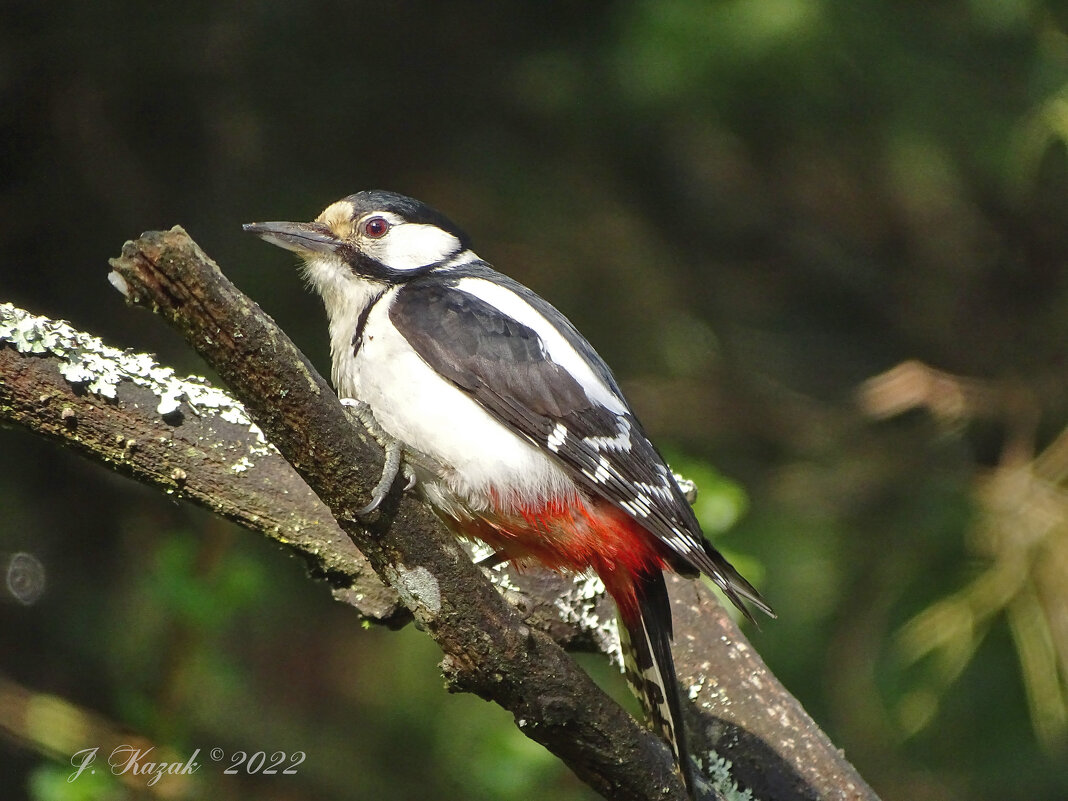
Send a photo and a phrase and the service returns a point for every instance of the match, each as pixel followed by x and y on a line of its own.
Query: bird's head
pixel 373 235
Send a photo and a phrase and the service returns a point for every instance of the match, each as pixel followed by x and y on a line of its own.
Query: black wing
pixel 503 365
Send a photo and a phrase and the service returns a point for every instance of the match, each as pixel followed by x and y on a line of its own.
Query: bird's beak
pixel 312 237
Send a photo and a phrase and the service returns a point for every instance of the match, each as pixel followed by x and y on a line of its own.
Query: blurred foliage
pixel 749 206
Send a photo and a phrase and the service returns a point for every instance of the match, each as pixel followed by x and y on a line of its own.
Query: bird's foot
pixel 361 413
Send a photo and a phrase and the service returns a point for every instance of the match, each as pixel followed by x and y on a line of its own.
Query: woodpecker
pixel 513 427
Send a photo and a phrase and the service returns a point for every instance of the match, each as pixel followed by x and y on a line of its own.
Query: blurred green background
pixel 750 207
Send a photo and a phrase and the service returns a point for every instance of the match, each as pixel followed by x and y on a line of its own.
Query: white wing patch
pixel 662 491
pixel 638 506
pixel 603 472
pixel 556 346
pixel 557 438
pixel 620 442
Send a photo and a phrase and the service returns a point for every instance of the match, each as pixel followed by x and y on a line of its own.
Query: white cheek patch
pixel 409 246
pixel 620 442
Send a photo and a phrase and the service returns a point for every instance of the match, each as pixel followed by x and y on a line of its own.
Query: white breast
pixel 432 417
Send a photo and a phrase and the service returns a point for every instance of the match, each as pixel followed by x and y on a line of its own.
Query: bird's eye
pixel 376 227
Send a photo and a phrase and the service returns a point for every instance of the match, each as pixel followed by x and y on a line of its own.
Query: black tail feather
pixel 650 667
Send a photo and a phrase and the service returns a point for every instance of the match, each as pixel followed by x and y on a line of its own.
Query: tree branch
pixel 217 459
pixel 180 435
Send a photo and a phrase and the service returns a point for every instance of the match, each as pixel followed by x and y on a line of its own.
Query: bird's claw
pixel 394 462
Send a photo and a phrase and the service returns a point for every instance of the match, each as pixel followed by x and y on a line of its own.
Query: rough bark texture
pixel 196 454
pixel 739 709
pixel 743 714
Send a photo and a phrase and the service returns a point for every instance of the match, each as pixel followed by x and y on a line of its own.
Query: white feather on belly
pixel 445 424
